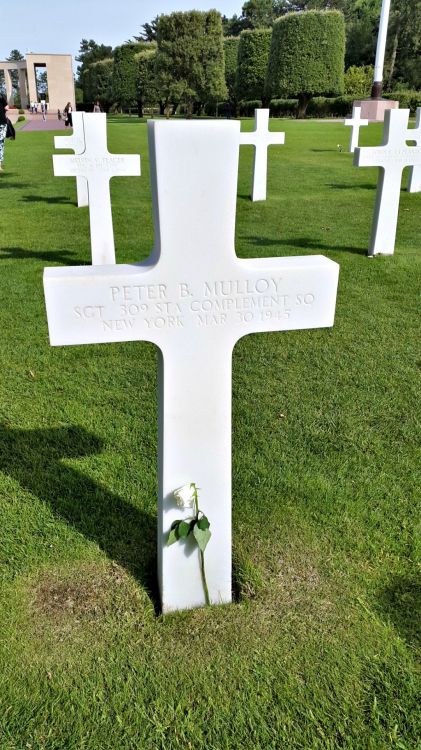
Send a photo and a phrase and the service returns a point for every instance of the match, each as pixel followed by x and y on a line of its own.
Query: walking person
pixel 68 115
pixel 3 127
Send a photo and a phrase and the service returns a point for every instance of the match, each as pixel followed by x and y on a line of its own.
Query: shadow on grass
pixel 15 185
pixel 60 200
pixel 351 186
pixel 401 603
pixel 304 242
pixel 66 257
pixel 125 533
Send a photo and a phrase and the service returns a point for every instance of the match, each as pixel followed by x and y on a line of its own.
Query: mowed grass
pixel 320 649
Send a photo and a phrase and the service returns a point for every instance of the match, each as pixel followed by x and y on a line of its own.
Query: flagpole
pixel 377 89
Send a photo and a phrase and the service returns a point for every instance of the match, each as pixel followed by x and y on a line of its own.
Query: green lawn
pixel 320 648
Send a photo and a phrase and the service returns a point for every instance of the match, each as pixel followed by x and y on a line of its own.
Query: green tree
pixel 124 83
pixel 149 31
pixel 253 56
pixel 190 58
pixel 89 53
pixel 231 45
pixel 404 48
pixel 258 14
pixel 97 80
pixel 307 56
pixel 359 80
pixel 146 80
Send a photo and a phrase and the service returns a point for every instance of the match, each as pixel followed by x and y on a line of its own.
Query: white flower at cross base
pixel 185 496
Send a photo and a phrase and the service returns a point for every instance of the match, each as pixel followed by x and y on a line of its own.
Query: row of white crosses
pixel 93 166
pixel 194 298
pixel 391 157
pixel 356 122
pixel 94 125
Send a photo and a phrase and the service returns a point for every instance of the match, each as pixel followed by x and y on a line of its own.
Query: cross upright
pixel 76 143
pixel 392 157
pixel 355 122
pixel 261 137
pixel 98 166
pixel 193 298
pixel 414 180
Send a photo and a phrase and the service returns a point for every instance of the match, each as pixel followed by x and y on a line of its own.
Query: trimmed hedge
pixel 307 55
pixel 253 56
pixel 407 99
pixel 231 44
pixel 97 80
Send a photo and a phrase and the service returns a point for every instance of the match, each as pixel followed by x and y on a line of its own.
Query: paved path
pixel 35 122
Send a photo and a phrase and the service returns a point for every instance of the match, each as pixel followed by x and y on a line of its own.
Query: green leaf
pixel 203 523
pixel 183 529
pixel 172 537
pixel 202 537
pixel 175 524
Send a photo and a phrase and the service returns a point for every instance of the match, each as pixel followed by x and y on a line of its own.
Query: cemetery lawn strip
pixel 321 648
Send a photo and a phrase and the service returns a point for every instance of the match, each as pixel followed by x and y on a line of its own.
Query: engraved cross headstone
pixel 193 298
pixel 414 180
pixel 76 143
pixel 355 123
pixel 392 157
pixel 261 137
pixel 98 166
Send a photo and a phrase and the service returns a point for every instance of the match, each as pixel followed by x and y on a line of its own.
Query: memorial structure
pixel 60 81
pixel 193 298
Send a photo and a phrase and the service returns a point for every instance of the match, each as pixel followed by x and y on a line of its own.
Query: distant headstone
pixel 98 166
pixel 392 157
pixel 76 143
pixel 193 298
pixel 355 123
pixel 261 137
pixel 414 181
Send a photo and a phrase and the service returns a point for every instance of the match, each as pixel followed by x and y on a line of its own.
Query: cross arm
pixel 268 139
pixel 110 165
pixel 387 157
pixel 289 293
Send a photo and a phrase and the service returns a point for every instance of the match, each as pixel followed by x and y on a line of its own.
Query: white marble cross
pixel 261 137
pixel 98 166
pixel 193 298
pixel 414 180
pixel 355 123
pixel 392 157
pixel 76 143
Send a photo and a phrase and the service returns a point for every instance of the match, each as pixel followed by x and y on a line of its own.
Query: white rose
pixel 185 496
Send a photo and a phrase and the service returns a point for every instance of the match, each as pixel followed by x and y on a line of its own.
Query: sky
pixel 58 27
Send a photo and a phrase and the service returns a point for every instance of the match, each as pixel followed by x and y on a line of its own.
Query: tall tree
pixel 231 44
pixel 89 53
pixel 253 56
pixel 124 84
pixel 307 56
pixel 97 81
pixel 190 58
pixel 147 91
pixel 149 31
